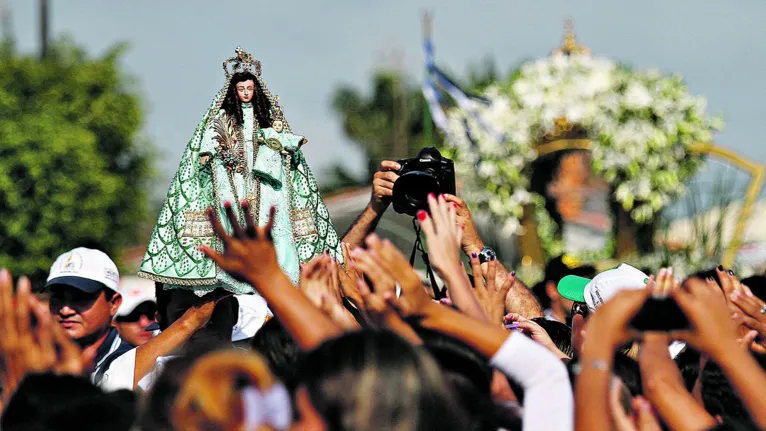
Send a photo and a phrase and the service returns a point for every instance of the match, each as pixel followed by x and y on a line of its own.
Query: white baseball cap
pixel 135 291
pixel 84 269
pixel 603 286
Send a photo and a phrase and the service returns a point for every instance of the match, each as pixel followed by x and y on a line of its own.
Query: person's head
pixel 156 406
pixel 65 402
pixel 137 311
pixel 278 349
pixel 546 291
pixel 244 87
pixel 560 334
pixel 718 397
pixel 367 380
pixel 231 390
pixel 467 374
pixel 84 297
pixel 589 294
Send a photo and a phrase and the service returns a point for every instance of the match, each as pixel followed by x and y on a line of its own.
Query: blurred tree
pixel 388 123
pixel 73 170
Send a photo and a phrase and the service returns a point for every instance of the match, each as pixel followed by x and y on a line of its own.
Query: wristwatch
pixel 486 254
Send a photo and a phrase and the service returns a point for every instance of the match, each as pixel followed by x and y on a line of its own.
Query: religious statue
pixel 243 149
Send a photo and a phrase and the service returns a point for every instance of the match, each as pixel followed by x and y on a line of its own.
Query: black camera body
pixel 426 173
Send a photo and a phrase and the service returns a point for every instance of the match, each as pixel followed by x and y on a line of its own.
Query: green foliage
pixel 74 171
pixel 388 123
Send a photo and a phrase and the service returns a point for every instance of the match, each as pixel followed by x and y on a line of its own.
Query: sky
pixel 308 48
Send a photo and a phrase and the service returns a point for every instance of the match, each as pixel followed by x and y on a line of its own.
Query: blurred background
pixel 99 99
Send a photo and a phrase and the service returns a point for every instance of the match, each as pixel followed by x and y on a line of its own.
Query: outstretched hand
pixel 712 329
pixel 490 297
pixel 414 300
pixel 443 235
pixel 27 348
pixel 248 254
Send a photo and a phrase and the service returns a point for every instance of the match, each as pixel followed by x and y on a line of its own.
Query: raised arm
pixel 249 256
pixel 382 193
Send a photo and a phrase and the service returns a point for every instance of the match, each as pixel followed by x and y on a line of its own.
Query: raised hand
pixel 490 297
pixel 348 276
pixel 608 327
pixel 712 328
pixel 26 349
pixel 443 235
pixel 320 283
pixel 751 312
pixel 414 300
pixel 383 185
pixel 471 242
pixel 249 253
pixel 316 279
pixel 535 331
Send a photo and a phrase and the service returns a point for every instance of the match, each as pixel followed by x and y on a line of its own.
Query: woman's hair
pixel 210 397
pixel 156 405
pixel 467 373
pixel 279 350
pixel 261 104
pixel 560 334
pixel 368 380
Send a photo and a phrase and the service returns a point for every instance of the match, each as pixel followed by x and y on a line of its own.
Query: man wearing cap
pixel 136 315
pixel 589 294
pixel 556 306
pixel 84 298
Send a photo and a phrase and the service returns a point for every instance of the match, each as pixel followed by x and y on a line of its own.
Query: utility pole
pixel 44 29
pixel 5 20
pixel 427 121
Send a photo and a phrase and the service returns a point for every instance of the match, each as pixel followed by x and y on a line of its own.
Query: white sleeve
pixel 120 373
pixel 548 398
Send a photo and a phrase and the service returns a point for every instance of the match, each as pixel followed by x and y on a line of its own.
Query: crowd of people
pixel 364 345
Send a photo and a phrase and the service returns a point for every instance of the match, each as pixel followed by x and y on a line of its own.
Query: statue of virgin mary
pixel 243 149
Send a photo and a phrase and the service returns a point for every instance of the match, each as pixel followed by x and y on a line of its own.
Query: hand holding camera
pixel 383 185
pixel 427 173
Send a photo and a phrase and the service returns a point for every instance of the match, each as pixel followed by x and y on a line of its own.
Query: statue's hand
pixel 204 159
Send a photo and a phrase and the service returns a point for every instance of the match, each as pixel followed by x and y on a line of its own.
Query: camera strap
pixel 418 246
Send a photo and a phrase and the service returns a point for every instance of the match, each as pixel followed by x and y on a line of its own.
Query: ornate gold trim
pixel 178 281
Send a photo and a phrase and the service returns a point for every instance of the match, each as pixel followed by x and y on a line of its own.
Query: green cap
pixel 572 287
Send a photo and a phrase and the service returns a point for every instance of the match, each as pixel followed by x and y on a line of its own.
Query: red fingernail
pixel 422 215
pixel 462 227
pixel 431 196
pixel 454 205
pixel 227 204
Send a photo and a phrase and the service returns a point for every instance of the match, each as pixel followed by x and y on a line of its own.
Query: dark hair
pixel 757 284
pixel 627 369
pixel 157 404
pixel 261 104
pixel 51 402
pixel 370 380
pixel 109 293
pixel 560 334
pixel 467 373
pixel 279 350
pixel 718 397
pixel 688 362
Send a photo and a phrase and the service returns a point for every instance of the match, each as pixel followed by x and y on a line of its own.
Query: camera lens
pixel 411 191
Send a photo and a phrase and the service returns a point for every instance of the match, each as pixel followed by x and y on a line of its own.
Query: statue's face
pixel 245 90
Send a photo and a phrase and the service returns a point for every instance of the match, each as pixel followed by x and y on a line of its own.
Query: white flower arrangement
pixel 641 124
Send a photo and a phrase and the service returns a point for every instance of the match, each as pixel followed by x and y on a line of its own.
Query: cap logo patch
pixel 73 263
pixel 111 275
